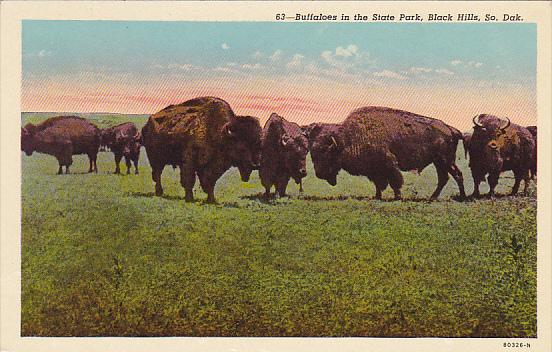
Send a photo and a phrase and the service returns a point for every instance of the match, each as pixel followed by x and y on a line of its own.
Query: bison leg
pixel 493 181
pixel 187 180
pixel 301 186
pixel 396 181
pixel 281 186
pixel 92 160
pixel 135 161
pixel 478 177
pixel 208 186
pixel 455 172
pixel 156 176
pixel 526 181
pixel 381 185
pixel 442 179
pixel 60 170
pixel 118 158
pixel 127 163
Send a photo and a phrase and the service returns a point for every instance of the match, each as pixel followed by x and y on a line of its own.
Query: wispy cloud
pixel 444 71
pixel 277 55
pixel 225 46
pixel 467 64
pixel 346 57
pixel 390 74
pixel 296 61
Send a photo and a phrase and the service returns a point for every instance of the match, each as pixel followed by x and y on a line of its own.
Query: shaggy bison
pixel 123 140
pixel 63 137
pixel 533 170
pixel 284 150
pixel 201 136
pixel 498 146
pixel 379 142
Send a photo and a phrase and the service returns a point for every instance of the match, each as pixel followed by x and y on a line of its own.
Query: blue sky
pixel 66 46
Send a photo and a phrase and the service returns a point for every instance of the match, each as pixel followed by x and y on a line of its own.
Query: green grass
pixel 101 256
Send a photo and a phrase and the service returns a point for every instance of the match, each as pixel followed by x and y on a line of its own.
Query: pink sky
pixel 303 99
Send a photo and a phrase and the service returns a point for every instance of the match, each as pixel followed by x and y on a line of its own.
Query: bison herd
pixel 204 138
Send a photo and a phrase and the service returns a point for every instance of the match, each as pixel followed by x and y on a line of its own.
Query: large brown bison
pixel 379 142
pixel 533 170
pixel 498 146
pixel 284 150
pixel 203 137
pixel 63 137
pixel 123 140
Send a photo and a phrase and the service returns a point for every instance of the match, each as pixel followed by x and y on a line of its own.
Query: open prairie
pixel 102 256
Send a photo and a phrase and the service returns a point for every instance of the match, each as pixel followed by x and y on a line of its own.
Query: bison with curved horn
pixel 533 170
pixel 63 137
pixel 498 146
pixel 284 152
pixel 124 140
pixel 202 137
pixel 379 142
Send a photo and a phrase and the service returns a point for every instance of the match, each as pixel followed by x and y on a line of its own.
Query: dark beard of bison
pixel 245 173
pixel 26 142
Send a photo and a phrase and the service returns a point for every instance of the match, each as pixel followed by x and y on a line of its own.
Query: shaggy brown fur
pixel 203 137
pixel 379 142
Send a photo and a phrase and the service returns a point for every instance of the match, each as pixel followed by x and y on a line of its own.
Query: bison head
pixel 325 147
pixel 242 136
pixel 295 151
pixel 489 138
pixel 133 145
pixel 27 139
pixel 106 137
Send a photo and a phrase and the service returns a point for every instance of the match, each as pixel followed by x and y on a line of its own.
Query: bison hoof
pixel 211 201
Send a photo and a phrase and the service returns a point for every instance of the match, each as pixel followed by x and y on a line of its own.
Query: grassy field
pixel 101 256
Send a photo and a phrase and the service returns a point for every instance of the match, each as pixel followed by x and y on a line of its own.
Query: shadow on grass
pixel 182 198
pixel 260 197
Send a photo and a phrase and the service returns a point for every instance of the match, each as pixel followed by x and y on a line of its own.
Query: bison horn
pixel 138 136
pixel 476 122
pixel 226 129
pixel 334 141
pixel 284 140
pixel 507 124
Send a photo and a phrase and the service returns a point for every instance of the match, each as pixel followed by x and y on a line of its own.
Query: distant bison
pixel 379 142
pixel 123 140
pixel 533 170
pixel 201 136
pixel 498 146
pixel 284 150
pixel 63 137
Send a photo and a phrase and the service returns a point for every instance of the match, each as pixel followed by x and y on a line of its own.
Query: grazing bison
pixel 497 146
pixel 284 150
pixel 379 142
pixel 201 136
pixel 123 140
pixel 63 137
pixel 533 170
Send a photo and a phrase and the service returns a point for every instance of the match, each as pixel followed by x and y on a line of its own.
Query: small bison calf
pixel 123 140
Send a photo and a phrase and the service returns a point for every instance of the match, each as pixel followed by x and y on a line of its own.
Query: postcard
pixel 270 176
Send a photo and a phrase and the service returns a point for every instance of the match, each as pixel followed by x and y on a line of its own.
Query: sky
pixel 305 72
